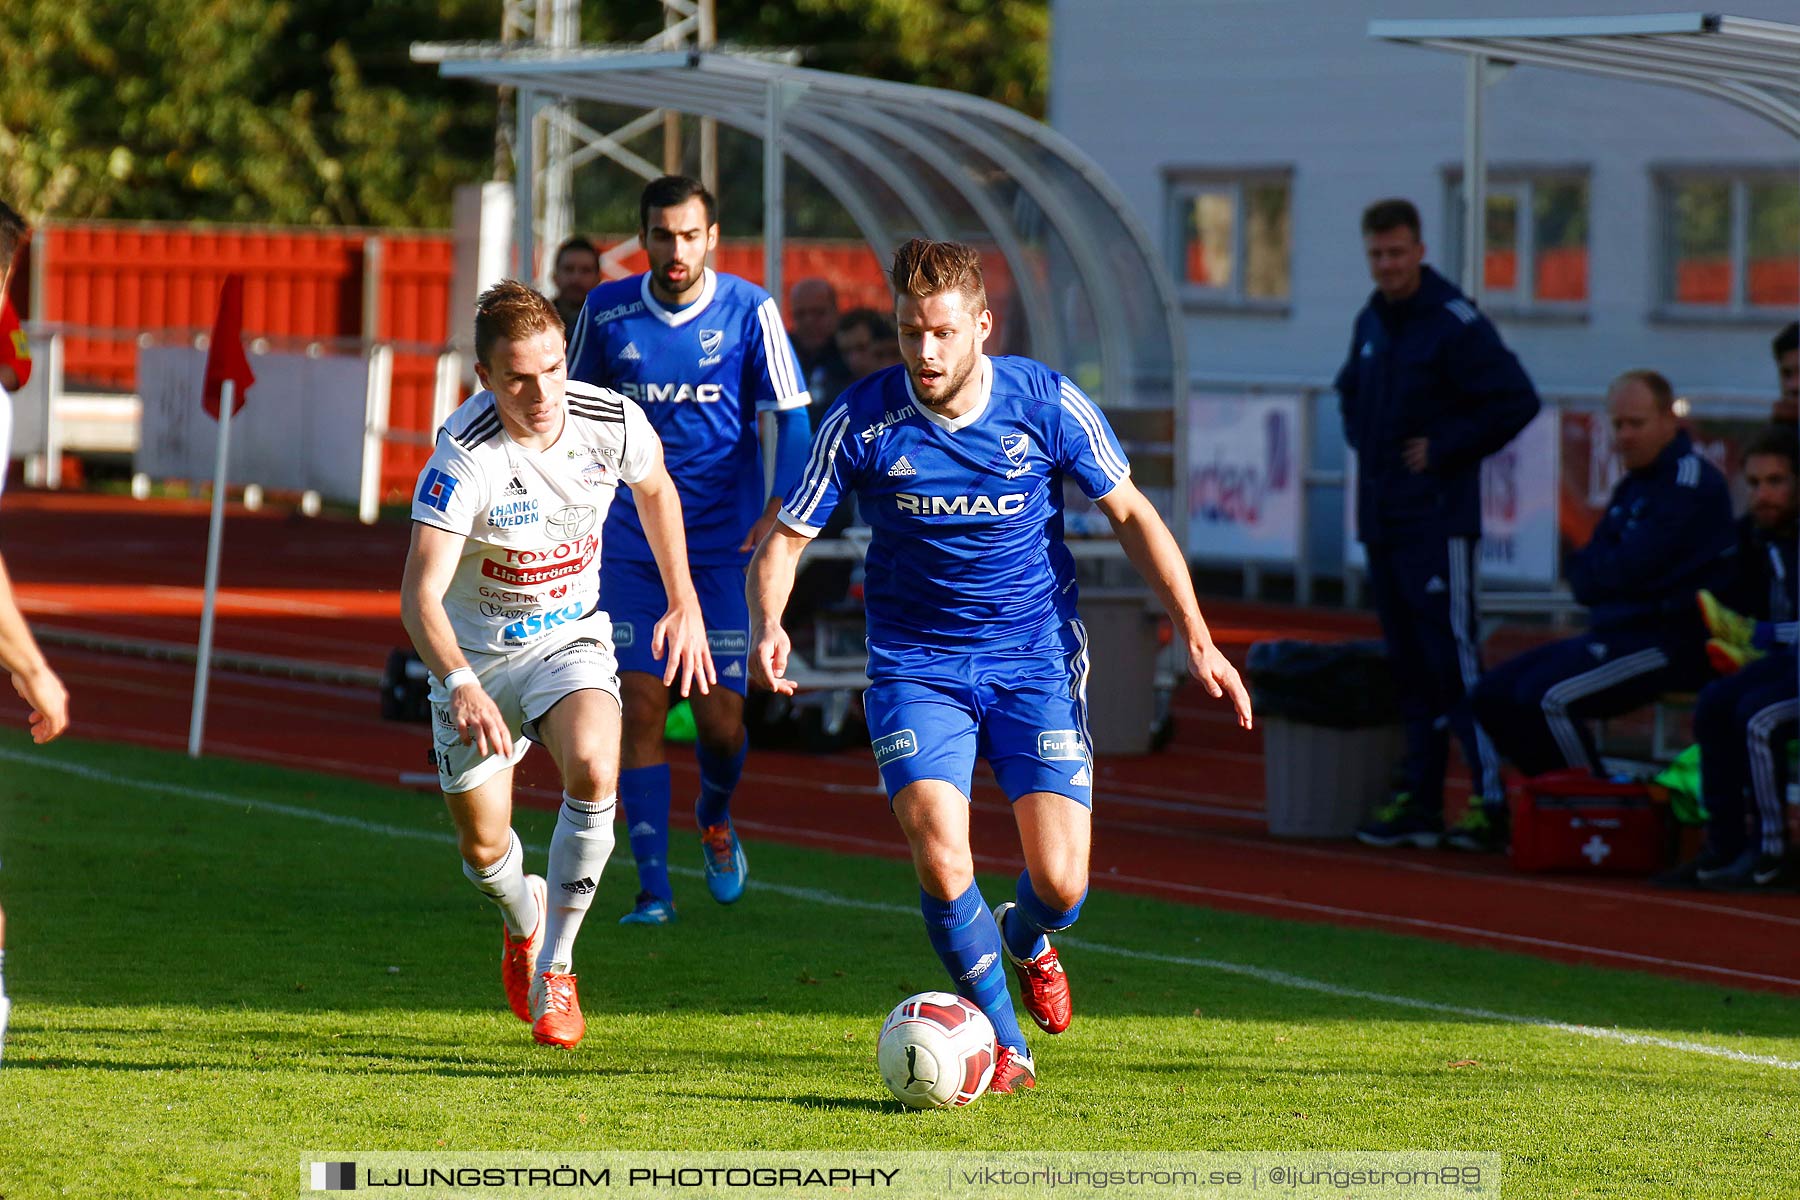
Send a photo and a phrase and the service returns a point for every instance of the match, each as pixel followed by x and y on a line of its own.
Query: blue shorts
pixel 1025 713
pixel 632 594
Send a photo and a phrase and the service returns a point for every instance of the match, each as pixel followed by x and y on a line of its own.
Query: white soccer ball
pixel 936 1051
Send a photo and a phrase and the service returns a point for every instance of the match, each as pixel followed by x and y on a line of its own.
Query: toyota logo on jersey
pixel 568 523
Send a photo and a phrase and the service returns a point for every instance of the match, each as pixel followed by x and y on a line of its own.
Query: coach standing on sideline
pixel 1428 391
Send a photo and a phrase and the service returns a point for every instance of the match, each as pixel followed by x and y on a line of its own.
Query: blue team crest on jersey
pixel 711 340
pixel 1015 445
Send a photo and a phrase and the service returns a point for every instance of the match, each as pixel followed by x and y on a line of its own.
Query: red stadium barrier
pixel 121 280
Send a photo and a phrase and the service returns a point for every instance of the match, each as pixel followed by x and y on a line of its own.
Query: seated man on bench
pixel 1745 720
pixel 1666 534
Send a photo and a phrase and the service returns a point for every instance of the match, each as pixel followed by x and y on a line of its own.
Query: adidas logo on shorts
pixel 734 671
pixel 513 487
pixel 1081 779
pixel 901 468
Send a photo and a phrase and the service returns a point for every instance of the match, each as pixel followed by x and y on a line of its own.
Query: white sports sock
pixel 579 848
pixel 504 883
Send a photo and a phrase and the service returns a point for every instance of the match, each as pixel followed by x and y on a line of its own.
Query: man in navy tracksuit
pixel 1745 720
pixel 1428 392
pixel 1666 534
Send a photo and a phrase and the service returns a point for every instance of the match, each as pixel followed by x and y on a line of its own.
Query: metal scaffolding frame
pixel 540 139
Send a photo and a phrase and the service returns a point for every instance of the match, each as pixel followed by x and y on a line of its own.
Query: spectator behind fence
pixel 866 342
pixel 1666 534
pixel 1428 391
pixel 575 274
pixel 813 309
pixel 1787 364
pixel 1744 721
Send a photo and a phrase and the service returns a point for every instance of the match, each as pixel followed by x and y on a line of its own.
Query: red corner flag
pixel 225 356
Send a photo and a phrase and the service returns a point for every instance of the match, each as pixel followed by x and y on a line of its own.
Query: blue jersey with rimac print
pixel 701 374
pixel 966 515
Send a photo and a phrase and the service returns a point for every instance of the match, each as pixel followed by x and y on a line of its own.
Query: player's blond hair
pixel 512 312
pixel 926 268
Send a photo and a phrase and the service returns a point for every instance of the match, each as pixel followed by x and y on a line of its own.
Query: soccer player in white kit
pixel 502 600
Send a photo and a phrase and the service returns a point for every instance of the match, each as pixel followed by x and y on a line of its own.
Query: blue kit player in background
pixel 1428 391
pixel 703 354
pixel 957 463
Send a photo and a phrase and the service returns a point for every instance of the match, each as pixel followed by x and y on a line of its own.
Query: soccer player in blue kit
pixel 703 354
pixel 957 461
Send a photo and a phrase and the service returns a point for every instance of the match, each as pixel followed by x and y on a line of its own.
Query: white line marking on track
pixel 1302 983
pixel 1355 914
pixel 818 896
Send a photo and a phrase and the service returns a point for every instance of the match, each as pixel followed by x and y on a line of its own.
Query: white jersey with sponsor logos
pixel 530 570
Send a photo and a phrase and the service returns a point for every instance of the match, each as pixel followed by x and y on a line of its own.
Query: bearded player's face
pixel 678 240
pixel 940 342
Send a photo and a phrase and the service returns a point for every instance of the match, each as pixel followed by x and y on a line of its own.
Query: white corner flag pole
pixel 215 535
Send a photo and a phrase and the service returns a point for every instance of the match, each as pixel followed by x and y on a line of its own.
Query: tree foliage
pixel 311 112
pixel 301 112
pixel 998 49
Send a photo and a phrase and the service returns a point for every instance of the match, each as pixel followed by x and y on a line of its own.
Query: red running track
pixel 1185 824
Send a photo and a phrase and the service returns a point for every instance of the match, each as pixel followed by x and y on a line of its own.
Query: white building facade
pixel 1629 225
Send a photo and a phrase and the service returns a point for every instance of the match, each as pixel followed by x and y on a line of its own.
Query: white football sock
pixel 579 848
pixel 504 883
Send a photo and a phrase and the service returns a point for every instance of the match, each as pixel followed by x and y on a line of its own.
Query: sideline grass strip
pixel 205 988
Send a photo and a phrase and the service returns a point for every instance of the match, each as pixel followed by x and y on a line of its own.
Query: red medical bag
pixel 1571 821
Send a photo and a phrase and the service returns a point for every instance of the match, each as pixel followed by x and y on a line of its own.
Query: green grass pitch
pixel 216 966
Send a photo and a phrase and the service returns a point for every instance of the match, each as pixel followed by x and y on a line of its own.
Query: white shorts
pixel 524 686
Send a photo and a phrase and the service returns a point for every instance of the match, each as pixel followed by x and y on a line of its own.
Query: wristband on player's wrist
pixel 457 678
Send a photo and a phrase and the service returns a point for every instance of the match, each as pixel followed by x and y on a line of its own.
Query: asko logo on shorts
pixel 538 624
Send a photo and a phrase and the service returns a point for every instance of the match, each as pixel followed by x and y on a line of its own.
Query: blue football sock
pixel 644 795
pixel 718 779
pixel 1030 919
pixel 965 939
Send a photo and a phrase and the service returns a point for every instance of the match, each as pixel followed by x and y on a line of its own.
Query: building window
pixel 1731 242
pixel 1537 241
pixel 1231 237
